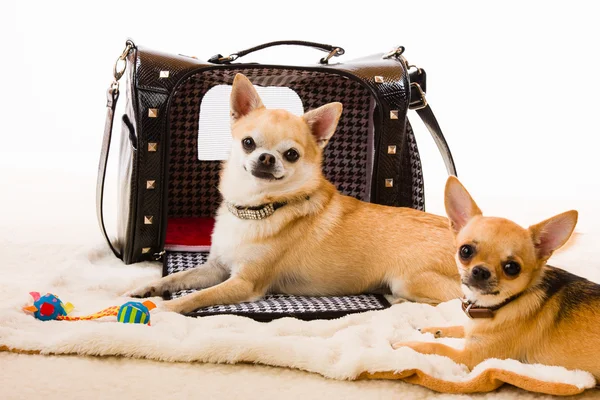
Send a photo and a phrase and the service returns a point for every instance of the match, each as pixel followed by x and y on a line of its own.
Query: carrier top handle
pixel 334 51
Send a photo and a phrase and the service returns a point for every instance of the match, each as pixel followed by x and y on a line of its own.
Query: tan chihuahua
pixel 520 307
pixel 283 228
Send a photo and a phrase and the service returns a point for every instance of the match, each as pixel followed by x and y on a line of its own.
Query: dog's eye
pixel 248 144
pixel 291 155
pixel 511 268
pixel 466 251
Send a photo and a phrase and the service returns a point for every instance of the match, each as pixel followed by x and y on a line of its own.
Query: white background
pixel 214 126
pixel 515 86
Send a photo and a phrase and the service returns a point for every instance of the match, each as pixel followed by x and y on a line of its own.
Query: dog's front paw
pixel 436 332
pixel 398 345
pixel 176 305
pixel 151 290
pixel 445 331
pixel 419 347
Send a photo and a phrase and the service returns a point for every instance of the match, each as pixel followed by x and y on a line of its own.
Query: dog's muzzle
pixel 266 167
pixel 262 174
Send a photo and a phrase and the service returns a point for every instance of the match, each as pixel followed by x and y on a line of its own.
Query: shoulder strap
pixel 433 127
pixel 111 104
pixel 418 102
pixel 112 96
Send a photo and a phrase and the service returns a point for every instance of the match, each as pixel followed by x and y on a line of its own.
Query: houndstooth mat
pixel 276 305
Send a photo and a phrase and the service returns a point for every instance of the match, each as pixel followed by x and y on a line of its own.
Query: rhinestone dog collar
pixel 257 212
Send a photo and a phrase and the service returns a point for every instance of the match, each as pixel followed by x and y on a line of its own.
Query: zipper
pixel 167 146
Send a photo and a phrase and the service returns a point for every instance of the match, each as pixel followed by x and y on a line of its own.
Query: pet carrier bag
pixel 175 132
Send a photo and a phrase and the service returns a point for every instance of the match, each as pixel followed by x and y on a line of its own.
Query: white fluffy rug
pixel 65 256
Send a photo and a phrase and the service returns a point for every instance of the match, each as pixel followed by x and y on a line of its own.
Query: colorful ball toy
pixel 134 312
pixel 49 307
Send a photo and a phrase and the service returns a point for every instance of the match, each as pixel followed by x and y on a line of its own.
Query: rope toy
pixel 49 307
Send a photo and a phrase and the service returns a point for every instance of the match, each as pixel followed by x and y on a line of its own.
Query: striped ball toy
pixel 134 312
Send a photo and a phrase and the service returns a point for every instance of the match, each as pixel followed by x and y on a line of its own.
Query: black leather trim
pixel 392 132
pixel 268 317
pixel 127 218
pixel 131 224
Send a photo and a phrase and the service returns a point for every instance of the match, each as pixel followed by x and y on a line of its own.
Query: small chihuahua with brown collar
pixel 520 308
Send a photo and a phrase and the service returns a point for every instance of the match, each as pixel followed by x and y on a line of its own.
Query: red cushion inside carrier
pixel 189 234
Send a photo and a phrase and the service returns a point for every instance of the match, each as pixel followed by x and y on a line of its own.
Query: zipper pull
pixel 159 256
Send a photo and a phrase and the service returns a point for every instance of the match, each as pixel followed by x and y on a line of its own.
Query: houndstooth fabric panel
pixel 180 261
pixel 280 304
pixel 193 184
pixel 416 169
pixel 292 305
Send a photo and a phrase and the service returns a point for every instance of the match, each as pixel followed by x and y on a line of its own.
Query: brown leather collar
pixel 474 311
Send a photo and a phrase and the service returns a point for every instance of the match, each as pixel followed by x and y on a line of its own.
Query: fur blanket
pixel 355 347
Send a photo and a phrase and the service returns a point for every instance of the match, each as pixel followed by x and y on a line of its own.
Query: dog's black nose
pixel 266 159
pixel 481 273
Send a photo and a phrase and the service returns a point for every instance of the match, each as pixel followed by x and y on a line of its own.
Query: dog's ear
pixel 323 121
pixel 244 98
pixel 460 206
pixel 551 234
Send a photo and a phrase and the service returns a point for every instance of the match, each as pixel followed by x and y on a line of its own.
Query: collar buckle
pixel 474 311
pixel 468 310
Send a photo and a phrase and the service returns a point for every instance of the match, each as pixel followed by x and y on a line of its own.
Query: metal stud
pixel 163 74
pixel 378 79
pixel 393 114
pixel 150 184
pixel 152 146
pixel 391 149
pixel 148 219
pixel 153 112
pixel 146 250
pixel 389 183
